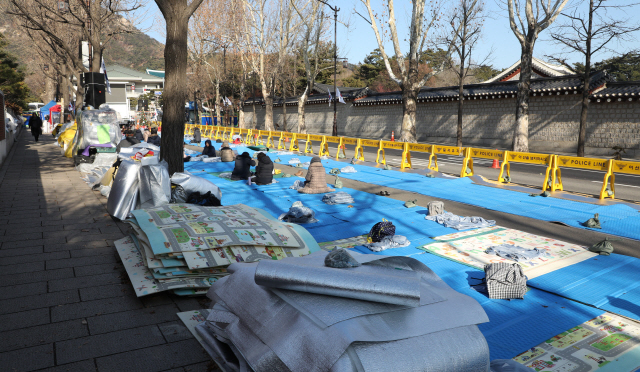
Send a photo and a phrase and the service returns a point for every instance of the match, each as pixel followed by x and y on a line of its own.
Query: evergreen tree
pixel 622 68
pixel 12 77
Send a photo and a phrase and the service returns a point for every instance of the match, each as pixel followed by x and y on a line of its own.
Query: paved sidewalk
pixel 66 303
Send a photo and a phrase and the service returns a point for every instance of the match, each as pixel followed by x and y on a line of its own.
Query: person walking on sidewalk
pixel 36 125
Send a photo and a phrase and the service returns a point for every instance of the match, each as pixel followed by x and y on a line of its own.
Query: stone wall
pixel 553 123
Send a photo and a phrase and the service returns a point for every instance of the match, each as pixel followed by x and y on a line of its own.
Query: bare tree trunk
pixel 521 134
pixel 217 105
pixel 284 108
pixel 582 134
pixel 268 102
pixel 410 91
pixel 175 57
pixel 302 101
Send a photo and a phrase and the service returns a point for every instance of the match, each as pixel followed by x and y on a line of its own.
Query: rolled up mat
pixel 367 282
pixel 124 190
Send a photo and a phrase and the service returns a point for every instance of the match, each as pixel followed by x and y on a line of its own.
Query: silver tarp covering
pixel 124 190
pixel 155 185
pixel 259 328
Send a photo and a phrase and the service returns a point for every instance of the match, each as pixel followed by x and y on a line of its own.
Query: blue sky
pixel 358 40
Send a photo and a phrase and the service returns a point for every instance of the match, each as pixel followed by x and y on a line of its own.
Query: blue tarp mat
pixel 514 326
pixel 517 325
pixel 606 282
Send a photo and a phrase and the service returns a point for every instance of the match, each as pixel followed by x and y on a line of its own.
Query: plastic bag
pixel 298 213
pixel 297 185
pixel 191 184
pixel 178 195
pixel 391 241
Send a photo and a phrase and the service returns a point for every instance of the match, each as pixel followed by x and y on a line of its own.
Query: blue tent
pixel 44 110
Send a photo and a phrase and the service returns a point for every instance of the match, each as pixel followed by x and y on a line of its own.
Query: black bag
pixel 380 230
pixel 206 200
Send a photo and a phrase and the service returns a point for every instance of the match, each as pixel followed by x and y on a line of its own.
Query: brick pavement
pixel 66 303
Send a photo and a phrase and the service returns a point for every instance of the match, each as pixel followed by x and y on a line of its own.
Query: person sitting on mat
pixel 226 154
pixel 209 150
pixel 153 138
pixel 242 169
pixel 316 179
pixel 264 170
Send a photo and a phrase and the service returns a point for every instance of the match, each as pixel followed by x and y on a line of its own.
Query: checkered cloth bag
pixel 505 280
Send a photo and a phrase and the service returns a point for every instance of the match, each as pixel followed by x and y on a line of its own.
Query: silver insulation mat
pixel 155 185
pixel 366 282
pixel 257 328
pixel 124 190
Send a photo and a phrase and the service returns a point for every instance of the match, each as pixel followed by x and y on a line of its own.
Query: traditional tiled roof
pixel 618 92
pixel 503 89
pixel 543 67
pixel 348 93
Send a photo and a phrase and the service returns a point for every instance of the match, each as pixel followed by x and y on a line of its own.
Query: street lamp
pixel 335 64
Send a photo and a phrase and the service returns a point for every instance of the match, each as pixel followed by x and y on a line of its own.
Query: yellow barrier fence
pixel 387 145
pixel 470 153
pixel 528 158
pixel 359 155
pixel 294 145
pixel 580 163
pixel 554 163
pixel 308 147
pixel 342 146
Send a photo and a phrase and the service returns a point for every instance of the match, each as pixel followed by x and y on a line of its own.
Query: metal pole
pixel 335 70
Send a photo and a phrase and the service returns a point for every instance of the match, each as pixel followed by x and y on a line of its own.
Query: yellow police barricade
pixel 258 137
pixel 470 153
pixel 528 158
pixel 217 133
pixel 282 142
pixel 359 155
pixel 387 145
pixel 270 142
pixel 582 163
pixel 342 146
pixel 406 157
pixel 294 146
pixel 231 133
pixel 620 166
pixel 324 147
pixel 308 147
pixel 444 150
pixel 249 138
pixel 416 147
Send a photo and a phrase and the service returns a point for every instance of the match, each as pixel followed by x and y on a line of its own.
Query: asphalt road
pixel 574 180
